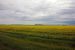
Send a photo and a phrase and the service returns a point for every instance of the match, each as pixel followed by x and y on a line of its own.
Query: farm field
pixel 20 37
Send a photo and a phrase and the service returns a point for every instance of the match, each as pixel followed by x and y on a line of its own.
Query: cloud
pixel 39 11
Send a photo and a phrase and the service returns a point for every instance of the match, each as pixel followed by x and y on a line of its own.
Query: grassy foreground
pixel 15 37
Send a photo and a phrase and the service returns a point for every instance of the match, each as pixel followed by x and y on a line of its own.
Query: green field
pixel 20 37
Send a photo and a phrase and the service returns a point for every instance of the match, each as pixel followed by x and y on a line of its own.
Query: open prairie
pixel 20 37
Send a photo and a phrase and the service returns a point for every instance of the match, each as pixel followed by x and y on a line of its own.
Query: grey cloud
pixel 43 11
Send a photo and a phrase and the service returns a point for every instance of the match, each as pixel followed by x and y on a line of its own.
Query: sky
pixel 37 12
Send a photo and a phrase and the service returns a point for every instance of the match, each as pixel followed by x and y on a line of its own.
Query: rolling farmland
pixel 16 37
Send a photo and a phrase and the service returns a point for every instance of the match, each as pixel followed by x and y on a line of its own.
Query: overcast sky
pixel 37 11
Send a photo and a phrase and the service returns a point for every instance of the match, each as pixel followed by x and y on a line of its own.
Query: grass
pixel 16 37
